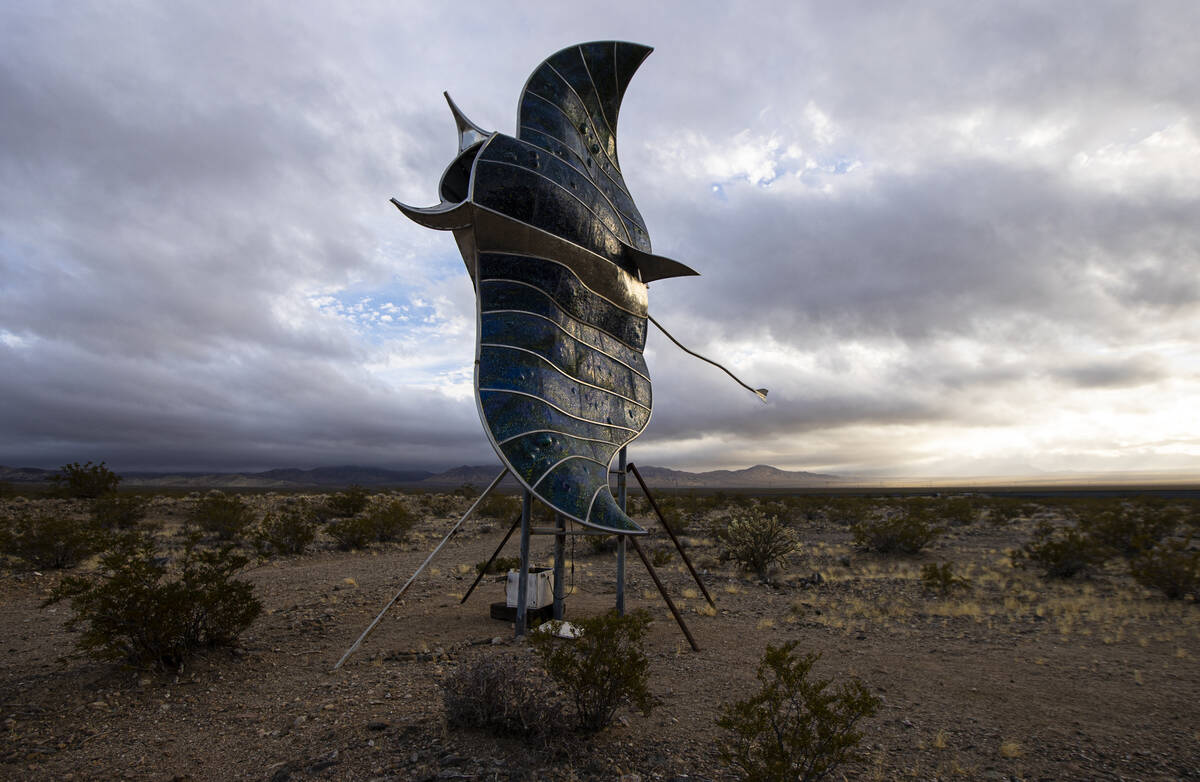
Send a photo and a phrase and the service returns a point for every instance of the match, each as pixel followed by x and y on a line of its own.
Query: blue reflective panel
pixel 515 370
pixel 546 335
pixel 573 357
pixel 510 414
pixel 538 452
pixel 521 283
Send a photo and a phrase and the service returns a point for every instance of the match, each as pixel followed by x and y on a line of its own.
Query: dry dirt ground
pixel 1018 678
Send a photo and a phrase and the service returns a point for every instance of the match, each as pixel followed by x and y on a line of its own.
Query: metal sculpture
pixel 560 259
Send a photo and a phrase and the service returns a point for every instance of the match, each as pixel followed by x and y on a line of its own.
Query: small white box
pixel 541 588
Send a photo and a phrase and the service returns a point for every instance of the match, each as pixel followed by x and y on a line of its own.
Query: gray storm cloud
pixel 941 233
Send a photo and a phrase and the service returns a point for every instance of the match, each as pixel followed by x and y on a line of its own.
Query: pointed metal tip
pixel 469 134
pixel 762 393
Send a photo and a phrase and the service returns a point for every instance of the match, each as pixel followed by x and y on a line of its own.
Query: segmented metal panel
pixel 556 248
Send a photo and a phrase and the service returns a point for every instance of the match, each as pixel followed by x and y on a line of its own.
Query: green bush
pixel 391 521
pixel 499 694
pixel 499 565
pixel 794 727
pixel 85 481
pixel 226 516
pixel 115 511
pixel 602 669
pixel 1131 528
pixel 1060 553
pixel 350 502
pixel 942 578
pixel 49 540
pixel 1172 567
pixel 501 507
pixel 905 532
pixel 386 522
pixel 756 542
pixel 286 533
pixel 351 533
pixel 661 556
pixel 140 610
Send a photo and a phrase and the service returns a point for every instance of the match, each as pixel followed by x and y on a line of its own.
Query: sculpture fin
pixel 443 217
pixel 469 134
pixel 657 267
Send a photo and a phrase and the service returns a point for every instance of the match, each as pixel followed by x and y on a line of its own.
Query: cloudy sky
pixel 952 238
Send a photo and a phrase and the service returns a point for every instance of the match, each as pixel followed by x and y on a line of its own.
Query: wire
pixel 761 393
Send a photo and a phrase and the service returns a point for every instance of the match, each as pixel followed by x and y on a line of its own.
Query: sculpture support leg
pixel 560 544
pixel 523 583
pixel 621 501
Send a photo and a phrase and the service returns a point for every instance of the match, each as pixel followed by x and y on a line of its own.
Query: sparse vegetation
pixel 499 565
pixel 897 531
pixel 387 522
pixel 147 611
pixel 224 515
pixel 756 542
pixel 49 539
pixel 1060 552
pixel 1172 567
pixel 795 727
pixel 1130 528
pixel 85 481
pixel 115 511
pixel 501 695
pixel 288 532
pixel 349 502
pixel 942 579
pixel 390 521
pixel 603 669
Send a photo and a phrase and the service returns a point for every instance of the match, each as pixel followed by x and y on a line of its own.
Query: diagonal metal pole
pixel 413 578
pixel 662 590
pixel 678 546
pixel 495 554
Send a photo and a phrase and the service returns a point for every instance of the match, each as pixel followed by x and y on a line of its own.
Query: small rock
pixel 377 725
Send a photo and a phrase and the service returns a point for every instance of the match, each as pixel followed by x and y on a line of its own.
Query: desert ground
pixel 1016 677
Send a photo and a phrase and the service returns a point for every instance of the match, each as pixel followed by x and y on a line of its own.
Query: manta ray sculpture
pixel 560 259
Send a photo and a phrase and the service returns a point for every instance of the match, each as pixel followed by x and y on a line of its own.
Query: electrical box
pixel 541 588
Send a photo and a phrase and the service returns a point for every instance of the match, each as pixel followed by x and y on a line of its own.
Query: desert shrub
pixel 351 533
pixel 904 532
pixel 795 727
pixel 226 516
pixel 287 533
pixel 661 556
pixel 501 695
pixel 49 540
pixel 499 565
pixel 7 490
pixel 942 578
pixel 957 510
pixel 501 507
pixel 602 544
pixel 118 511
pixel 756 542
pixel 1006 510
pixel 387 522
pixel 1129 529
pixel 390 521
pixel 85 481
pixel 349 502
pixel 1171 567
pixel 603 668
pixel 141 610
pixel 846 511
pixel 1060 553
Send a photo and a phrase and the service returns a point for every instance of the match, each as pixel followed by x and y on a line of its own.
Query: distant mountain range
pixel 758 477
